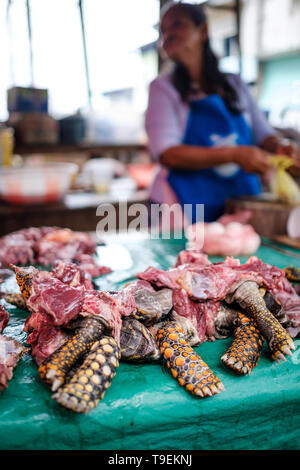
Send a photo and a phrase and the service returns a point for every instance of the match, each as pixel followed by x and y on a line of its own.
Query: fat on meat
pixel 228 236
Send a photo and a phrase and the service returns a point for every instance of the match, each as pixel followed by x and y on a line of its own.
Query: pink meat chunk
pixel 46 340
pixel 201 314
pixel 44 245
pixel 10 354
pixel 104 306
pixel 14 249
pixel 71 274
pixel 4 317
pixel 161 278
pixel 50 295
pixel 191 256
pixel 211 283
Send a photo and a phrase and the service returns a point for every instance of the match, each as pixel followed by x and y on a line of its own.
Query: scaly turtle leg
pixel 55 368
pixel 292 273
pixel 91 380
pixel 14 299
pixel 247 295
pixel 185 364
pixel 244 353
pixel 24 278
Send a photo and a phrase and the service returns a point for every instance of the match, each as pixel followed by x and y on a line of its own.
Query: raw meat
pixel 53 297
pixel 10 354
pixel 4 317
pixel 10 351
pixel 46 245
pixel 61 295
pixel 228 236
pixel 47 339
pixel 199 288
pixel 191 256
pixel 71 274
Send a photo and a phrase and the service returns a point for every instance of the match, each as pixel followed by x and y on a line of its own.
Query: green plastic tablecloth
pixel 145 408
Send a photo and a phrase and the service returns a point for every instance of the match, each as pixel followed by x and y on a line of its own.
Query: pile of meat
pixel 230 235
pixel 63 295
pixel 45 245
pixel 199 287
pixel 10 351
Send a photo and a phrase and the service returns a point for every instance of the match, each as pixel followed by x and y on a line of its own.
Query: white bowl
pixel 36 184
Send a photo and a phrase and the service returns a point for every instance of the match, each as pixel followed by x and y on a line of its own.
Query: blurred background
pixel 75 78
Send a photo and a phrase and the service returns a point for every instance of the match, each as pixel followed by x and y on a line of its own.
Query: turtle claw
pixel 55 384
pixel 220 386
pixel 214 389
pixel 278 339
pixel 279 356
pixel 207 391
pixel 282 345
pixel 287 351
pixel 199 393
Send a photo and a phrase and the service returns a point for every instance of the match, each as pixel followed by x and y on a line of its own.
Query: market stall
pixel 145 408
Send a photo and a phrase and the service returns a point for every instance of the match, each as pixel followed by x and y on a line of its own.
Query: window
pixel 115 32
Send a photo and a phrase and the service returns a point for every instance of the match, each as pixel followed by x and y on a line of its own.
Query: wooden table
pixel 77 211
pixel 124 151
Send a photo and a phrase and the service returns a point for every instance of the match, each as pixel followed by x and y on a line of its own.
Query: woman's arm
pixel 189 157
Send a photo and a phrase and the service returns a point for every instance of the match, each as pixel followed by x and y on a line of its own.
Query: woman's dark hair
pixel 214 80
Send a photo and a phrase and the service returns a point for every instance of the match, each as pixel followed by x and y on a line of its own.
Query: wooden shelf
pixel 92 148
pixel 77 211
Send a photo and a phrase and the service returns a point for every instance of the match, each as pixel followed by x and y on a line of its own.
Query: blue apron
pixel 211 123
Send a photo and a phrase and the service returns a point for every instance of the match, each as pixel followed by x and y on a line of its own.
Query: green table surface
pixel 145 408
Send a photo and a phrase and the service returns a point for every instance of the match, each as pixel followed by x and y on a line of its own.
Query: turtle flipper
pixel 91 380
pixel 185 364
pixel 55 368
pixel 292 273
pixel 244 353
pixel 247 295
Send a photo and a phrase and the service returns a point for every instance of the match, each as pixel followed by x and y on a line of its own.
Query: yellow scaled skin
pixel 244 353
pixel 91 380
pixel 292 273
pixel 278 339
pixel 185 364
pixel 54 369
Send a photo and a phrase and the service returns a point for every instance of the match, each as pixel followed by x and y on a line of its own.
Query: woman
pixel 204 126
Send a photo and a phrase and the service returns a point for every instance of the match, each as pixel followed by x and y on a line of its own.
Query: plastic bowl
pixel 36 184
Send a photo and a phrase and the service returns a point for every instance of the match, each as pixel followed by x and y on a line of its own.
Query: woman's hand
pixel 252 159
pixel 293 151
pixel 281 146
